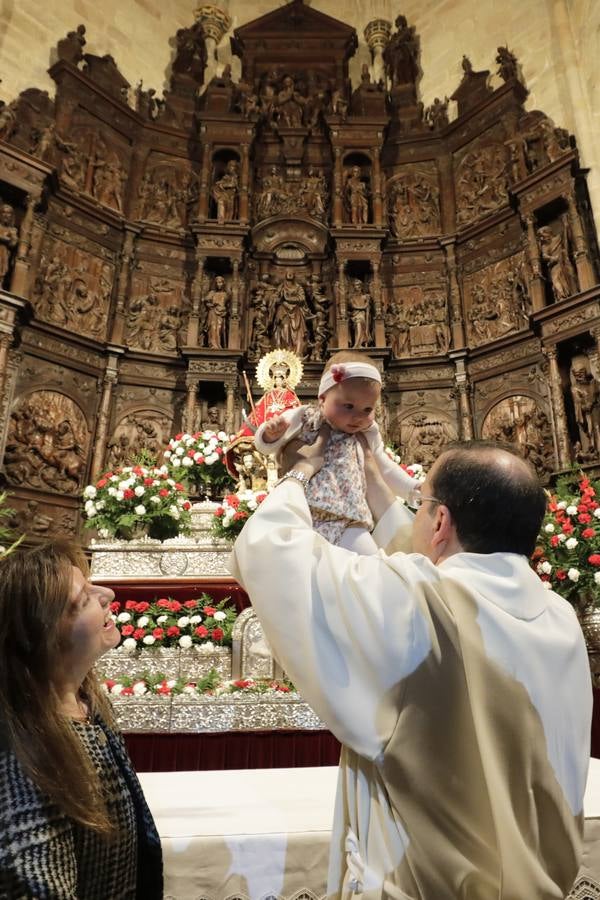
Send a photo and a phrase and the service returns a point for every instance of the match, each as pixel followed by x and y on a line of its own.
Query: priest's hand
pixel 305 458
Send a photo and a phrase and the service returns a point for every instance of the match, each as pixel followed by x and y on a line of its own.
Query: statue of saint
pixel 9 238
pixel 290 315
pixel 359 303
pixel 554 250
pixel 225 193
pixel 357 203
pixel 216 304
pixel 586 400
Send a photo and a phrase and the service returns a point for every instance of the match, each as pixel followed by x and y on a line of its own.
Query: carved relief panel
pixel 481 180
pixel 168 192
pixel 521 420
pixel 413 198
pixel 94 162
pixel 156 313
pixel 421 435
pixel 140 430
pixel 416 321
pixel 47 443
pixel 496 300
pixel 73 288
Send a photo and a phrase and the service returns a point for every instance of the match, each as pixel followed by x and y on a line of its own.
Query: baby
pixel 348 393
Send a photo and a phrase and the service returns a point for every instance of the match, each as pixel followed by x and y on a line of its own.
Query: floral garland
pixel 231 516
pixel 200 459
pixel 171 623
pixel 567 557
pixel 136 496
pixel 210 685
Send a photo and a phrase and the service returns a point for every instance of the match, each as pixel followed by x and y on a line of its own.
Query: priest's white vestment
pixel 461 695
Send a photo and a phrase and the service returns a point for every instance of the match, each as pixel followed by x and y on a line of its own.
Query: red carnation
pixel 232 500
pixel 187 505
pixel 142 606
pixel 179 436
pixel 178 486
pixel 554 541
pixel 219 511
pixel 127 692
pixel 191 453
pixel 567 528
pixel 594 559
pixel 175 606
pixel 130 604
pixel 163 689
pixel 201 631
pixel 190 604
pixel 242 683
pixel 128 494
pixel 200 460
pixel 173 631
pixel 148 482
pixel 164 603
pixel 588 533
pixel 163 492
pixel 584 518
pixel 102 483
pixel 240 514
pixel 139 633
pixel 115 606
pixel 209 610
pixel 561 574
pixel 158 633
pixel 217 634
pixel 137 470
pixel 126 630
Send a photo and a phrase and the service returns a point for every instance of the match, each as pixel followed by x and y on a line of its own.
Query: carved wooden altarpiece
pixel 152 248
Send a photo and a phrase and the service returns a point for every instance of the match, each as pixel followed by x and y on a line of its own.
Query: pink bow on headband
pixel 338 373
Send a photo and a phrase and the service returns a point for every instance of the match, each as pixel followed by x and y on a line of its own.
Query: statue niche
pixel 216 305
pixel 225 193
pixel 356 197
pixel 47 443
pixel 9 238
pixel 585 394
pixel 554 250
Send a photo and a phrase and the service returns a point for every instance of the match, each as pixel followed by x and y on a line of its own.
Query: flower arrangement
pixel 7 545
pixel 146 685
pixel 138 497
pixel 171 623
pixel 231 516
pixel 199 458
pixel 567 557
pixel 414 469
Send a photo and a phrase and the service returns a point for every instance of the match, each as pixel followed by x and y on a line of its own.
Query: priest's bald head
pixel 478 497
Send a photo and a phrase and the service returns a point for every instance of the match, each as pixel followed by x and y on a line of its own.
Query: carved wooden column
pixel 111 377
pixel 536 284
pixel 204 176
pixel 193 336
pixel 229 407
pixel 376 185
pixel 595 332
pixel 585 271
pixel 123 280
pixel 19 282
pixel 338 203
pixel 192 383
pixel 244 179
pixel 342 311
pixel 463 388
pixel 558 406
pixel 457 324
pixel 10 310
pixel 377 305
pixel 6 339
pixel 234 319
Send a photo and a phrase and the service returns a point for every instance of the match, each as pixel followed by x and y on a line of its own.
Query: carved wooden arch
pixel 143 411
pixel 34 387
pixel 512 391
pixel 308 234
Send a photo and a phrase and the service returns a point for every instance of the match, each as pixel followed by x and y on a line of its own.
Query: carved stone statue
pixel 290 316
pixel 414 202
pixel 401 56
pixel 120 452
pixel 436 115
pixel 313 194
pixel 261 304
pixel 586 401
pixel 212 421
pixel 321 326
pixel 518 420
pixel 359 305
pixel 168 327
pixel 216 303
pixel 190 53
pixel 555 253
pixel 9 238
pixel 225 193
pixel 289 105
pixel 272 195
pixel 356 196
pixel 252 471
pixel 8 120
pixel 397 329
pixel 108 182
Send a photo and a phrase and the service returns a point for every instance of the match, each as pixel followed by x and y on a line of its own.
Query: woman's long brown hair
pixel 35 591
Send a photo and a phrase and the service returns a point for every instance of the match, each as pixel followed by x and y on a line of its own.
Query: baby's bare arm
pixel 274 429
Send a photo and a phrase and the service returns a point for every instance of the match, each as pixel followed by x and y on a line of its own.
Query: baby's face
pixel 350 405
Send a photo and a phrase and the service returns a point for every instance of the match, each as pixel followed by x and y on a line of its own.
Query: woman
pixel 73 819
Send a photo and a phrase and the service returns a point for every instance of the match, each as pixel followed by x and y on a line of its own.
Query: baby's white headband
pixel 342 371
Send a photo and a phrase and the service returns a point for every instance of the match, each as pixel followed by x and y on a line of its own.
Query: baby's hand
pixel 274 429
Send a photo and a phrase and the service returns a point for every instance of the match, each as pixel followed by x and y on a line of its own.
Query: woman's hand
pixel 306 458
pixel 379 496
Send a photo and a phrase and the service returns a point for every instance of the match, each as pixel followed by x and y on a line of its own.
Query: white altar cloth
pixel 264 833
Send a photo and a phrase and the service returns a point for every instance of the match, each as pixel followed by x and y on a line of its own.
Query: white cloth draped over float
pixel 461 694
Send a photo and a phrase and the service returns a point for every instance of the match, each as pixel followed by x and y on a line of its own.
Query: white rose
pixel 90 491
pixel 547 585
pixel 149 640
pixel 206 647
pixel 139 490
pixel 175 462
pixel 188 440
pixel 90 511
pixel 549 528
pixel 212 458
pixel 129 644
pixel 140 510
pixel 187 461
pixel 197 456
pixel 597 577
pixel 161 619
pixel 571 543
pixel 124 485
pixel 219 616
pixel 185 642
pixel 252 504
pixel 139 689
pixel 571 510
pixel 119 495
pixel 167 454
pixel 171 683
pixel 562 538
pixel 142 621
pixel 155 499
pixel 112 492
pixel 562 504
pixel 183 621
pixel 123 617
pixel 573 575
pixel 100 504
pixel 171 482
pixel 180 451
pixel 546 567
pixel 597 512
pixel 114 477
pixel 116 689
pixel 195 619
pixel 174 511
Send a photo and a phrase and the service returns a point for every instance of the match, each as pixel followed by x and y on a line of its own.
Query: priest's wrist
pixel 296 474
